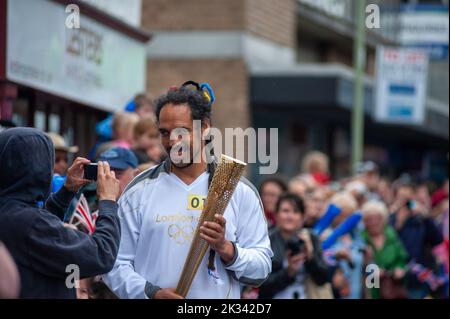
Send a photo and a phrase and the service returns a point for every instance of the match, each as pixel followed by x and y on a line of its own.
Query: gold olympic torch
pixel 223 184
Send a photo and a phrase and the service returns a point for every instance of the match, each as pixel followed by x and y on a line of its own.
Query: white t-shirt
pixel 159 214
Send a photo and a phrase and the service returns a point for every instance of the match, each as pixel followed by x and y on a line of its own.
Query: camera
pixel 90 171
pixel 411 204
pixel 295 245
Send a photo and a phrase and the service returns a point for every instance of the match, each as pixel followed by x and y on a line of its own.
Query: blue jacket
pixel 37 239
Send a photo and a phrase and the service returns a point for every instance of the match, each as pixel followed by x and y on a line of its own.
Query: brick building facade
pixel 195 23
pixel 278 63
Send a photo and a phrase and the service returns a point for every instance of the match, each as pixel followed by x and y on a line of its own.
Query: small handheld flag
pixel 82 216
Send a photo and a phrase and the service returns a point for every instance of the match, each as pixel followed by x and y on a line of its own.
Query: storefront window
pixel 39 120
pixel 20 112
pixel 54 122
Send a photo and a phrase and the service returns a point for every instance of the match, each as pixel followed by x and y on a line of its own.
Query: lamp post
pixel 359 61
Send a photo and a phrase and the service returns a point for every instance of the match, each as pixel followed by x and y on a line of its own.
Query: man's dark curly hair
pixel 197 102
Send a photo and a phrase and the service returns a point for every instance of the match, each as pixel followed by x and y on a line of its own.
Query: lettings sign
pixel 81 60
pixel 401 85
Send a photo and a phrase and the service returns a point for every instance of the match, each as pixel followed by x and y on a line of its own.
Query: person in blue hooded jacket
pixel 43 249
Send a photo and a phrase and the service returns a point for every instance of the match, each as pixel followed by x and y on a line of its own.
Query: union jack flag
pixel 82 216
pixel 427 276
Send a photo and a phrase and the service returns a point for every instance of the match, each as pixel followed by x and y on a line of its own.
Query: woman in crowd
pixel 385 249
pixel 270 191
pixel 298 268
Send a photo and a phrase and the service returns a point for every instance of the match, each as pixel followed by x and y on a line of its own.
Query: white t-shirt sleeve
pixel 123 280
pixel 252 263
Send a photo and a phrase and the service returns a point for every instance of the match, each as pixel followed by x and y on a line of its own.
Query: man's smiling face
pixel 179 117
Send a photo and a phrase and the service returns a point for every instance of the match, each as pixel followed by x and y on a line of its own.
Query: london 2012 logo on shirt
pixel 181 233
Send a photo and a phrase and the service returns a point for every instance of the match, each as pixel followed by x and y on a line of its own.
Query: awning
pixel 329 86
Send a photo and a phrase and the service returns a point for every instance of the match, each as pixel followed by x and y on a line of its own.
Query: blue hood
pixel 27 157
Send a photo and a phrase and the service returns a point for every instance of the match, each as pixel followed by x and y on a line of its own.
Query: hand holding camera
pixel 107 183
pixel 300 250
pixel 83 172
pixel 75 175
pixel 295 262
pixel 296 245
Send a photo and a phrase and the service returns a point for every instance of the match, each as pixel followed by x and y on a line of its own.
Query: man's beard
pixel 184 163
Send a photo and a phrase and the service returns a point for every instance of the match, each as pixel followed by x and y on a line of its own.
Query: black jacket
pixel 279 278
pixel 36 238
pixel 419 235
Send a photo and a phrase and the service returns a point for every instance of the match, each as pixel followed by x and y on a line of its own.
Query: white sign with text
pixel 89 63
pixel 401 85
